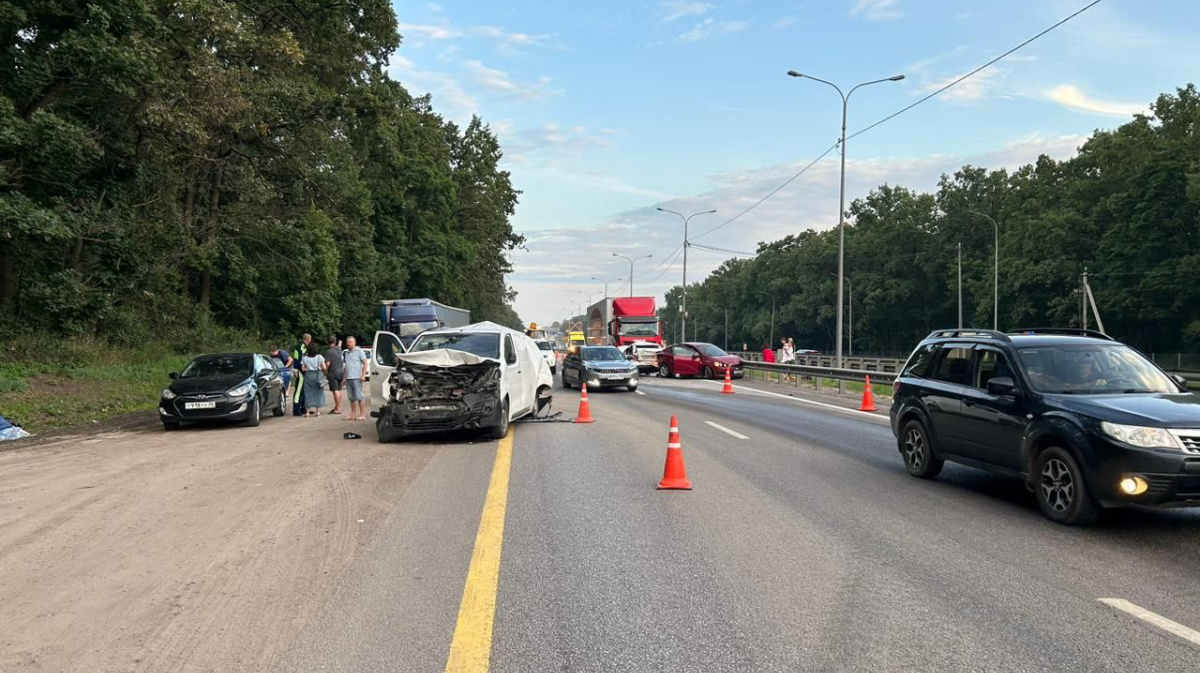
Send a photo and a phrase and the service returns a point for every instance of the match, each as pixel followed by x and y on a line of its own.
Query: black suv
pixel 1087 422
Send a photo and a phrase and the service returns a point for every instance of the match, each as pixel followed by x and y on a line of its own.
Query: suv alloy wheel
pixel 1060 489
pixel 918 452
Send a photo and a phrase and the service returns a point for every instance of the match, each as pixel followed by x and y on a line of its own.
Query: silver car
pixel 599 367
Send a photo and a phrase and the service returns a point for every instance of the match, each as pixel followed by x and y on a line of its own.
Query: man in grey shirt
pixel 336 373
pixel 356 372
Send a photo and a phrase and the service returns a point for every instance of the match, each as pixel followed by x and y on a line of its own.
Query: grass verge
pixel 83 380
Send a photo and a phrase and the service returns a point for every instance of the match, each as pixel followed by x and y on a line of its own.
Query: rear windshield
pixel 1081 369
pixel 919 361
pixel 485 345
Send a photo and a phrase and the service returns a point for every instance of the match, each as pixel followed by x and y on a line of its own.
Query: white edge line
pixel 726 430
pixel 1172 627
pixel 844 410
pixel 639 392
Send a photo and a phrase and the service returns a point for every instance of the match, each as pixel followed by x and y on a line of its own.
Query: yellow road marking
pixel 471 648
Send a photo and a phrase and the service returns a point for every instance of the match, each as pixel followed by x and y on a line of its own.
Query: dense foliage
pixel 167 165
pixel 1126 209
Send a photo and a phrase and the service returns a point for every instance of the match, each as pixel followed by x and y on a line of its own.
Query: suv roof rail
pixel 1065 331
pixel 954 333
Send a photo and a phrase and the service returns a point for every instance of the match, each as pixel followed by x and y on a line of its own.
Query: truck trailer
pixel 620 321
pixel 408 318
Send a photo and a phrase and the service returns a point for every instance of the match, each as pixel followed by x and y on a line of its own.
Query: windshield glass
pixel 482 344
pixel 711 350
pixel 1089 369
pixel 409 329
pixel 639 329
pixel 218 365
pixel 595 354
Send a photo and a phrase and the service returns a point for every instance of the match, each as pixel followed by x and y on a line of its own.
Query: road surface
pixel 804 546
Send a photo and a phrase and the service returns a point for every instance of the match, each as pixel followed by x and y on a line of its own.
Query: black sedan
pixel 223 387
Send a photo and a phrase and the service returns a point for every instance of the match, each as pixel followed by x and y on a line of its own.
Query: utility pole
pixel 995 273
pixel 683 301
pixel 960 285
pixel 727 328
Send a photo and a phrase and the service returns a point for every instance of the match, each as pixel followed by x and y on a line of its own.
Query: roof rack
pixel 1065 331
pixel 955 333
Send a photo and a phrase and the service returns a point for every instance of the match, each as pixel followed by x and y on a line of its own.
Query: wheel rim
pixel 1058 485
pixel 914 449
pixel 664 371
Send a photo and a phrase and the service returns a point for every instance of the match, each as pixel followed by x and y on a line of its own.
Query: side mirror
pixel 1001 386
pixel 173 375
pixel 1180 380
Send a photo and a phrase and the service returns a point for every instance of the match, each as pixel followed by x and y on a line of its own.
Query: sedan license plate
pixel 199 405
pixel 614 377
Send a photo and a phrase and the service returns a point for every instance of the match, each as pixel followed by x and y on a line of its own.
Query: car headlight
pixel 241 390
pixel 168 394
pixel 1136 435
pixel 721 364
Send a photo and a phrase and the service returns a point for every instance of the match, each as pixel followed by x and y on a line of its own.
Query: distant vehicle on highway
pixel 599 367
pixel 223 387
pixel 697 359
pixel 481 376
pixel 548 353
pixel 1087 422
pixel 407 318
pixel 644 354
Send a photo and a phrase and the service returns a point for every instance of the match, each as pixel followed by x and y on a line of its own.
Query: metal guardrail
pixel 822 372
pixel 866 364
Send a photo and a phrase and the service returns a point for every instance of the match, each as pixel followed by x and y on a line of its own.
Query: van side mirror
pixel 1001 386
pixel 1180 380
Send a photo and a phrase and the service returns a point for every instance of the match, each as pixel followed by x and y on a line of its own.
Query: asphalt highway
pixel 803 546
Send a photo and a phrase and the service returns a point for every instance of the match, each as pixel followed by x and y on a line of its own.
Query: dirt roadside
pixel 206 549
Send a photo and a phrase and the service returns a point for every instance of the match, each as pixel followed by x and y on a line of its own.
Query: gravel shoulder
pixel 207 549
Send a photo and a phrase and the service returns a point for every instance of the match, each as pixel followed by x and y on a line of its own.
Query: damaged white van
pixel 481 376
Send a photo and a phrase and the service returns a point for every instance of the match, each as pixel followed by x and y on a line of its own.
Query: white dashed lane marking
pixel 1172 627
pixel 726 430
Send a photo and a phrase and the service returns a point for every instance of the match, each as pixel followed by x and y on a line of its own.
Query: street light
pixel 850 317
pixel 683 302
pixel 631 261
pixel 771 341
pixel 842 192
pixel 995 272
pixel 606 282
pixel 960 285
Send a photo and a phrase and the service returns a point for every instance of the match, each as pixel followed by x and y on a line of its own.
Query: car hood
pixel 1168 410
pixel 609 364
pixel 207 384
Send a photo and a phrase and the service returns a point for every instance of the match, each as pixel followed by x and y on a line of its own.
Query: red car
pixel 697 359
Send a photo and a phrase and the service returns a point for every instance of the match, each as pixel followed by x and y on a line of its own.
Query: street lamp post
pixel 850 317
pixel 631 261
pixel 960 285
pixel 842 192
pixel 995 271
pixel 606 282
pixel 683 301
pixel 771 341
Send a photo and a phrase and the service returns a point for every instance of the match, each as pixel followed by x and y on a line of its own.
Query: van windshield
pixel 1082 369
pixel 483 344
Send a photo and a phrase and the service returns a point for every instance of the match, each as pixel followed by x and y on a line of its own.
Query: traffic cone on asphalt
pixel 585 409
pixel 728 389
pixel 868 401
pixel 674 474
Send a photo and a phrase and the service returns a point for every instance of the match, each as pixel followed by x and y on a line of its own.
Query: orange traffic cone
pixel 728 389
pixel 674 474
pixel 868 401
pixel 585 409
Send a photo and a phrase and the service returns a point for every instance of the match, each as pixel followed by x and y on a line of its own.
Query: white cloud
pixel 877 10
pixel 981 85
pixel 1069 96
pixel 673 11
pixel 449 97
pixel 498 81
pixel 549 140
pixel 548 281
pixel 785 22
pixel 510 43
pixel 712 28
pixel 434 7
pixel 422 32
pixel 448 54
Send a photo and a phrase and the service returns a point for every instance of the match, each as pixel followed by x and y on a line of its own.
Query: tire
pixel 279 411
pixel 500 431
pixel 709 373
pixel 564 380
pixel 170 425
pixel 553 371
pixel 917 451
pixel 664 371
pixel 254 413
pixel 1061 490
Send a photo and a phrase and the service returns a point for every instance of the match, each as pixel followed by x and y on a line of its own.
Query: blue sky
pixel 609 109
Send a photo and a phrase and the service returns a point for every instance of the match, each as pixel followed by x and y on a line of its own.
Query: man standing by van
pixel 355 372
